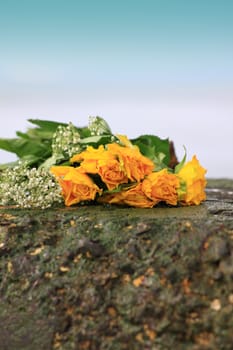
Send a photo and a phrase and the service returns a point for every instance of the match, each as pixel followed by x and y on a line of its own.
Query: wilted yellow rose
pixel 103 162
pixel 111 198
pixel 115 164
pixel 135 164
pixel 134 197
pixel 161 186
pixel 124 140
pixel 193 174
pixel 112 173
pixel 60 171
pixel 76 186
pixel 90 158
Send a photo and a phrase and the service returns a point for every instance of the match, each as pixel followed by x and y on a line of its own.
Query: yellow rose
pixel 134 197
pixel 76 186
pixel 193 174
pixel 101 161
pixel 111 173
pixel 115 164
pixel 60 171
pixel 90 158
pixel 124 140
pixel 161 186
pixel 135 164
pixel 111 198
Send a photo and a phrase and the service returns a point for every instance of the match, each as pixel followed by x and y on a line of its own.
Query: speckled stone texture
pixel 102 277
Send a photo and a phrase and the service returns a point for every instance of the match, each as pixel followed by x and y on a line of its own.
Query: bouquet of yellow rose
pixel 90 164
pixel 120 174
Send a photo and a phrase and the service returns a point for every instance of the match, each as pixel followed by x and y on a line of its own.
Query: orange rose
pixel 111 173
pixel 193 174
pixel 135 164
pixel 111 198
pixel 101 161
pixel 76 186
pixel 115 164
pixel 60 171
pixel 133 197
pixel 161 186
pixel 136 197
pixel 90 158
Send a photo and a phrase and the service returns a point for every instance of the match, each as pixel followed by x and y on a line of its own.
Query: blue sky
pixel 151 66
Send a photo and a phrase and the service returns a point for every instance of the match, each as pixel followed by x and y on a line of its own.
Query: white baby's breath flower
pixel 66 141
pixel 98 126
pixel 29 188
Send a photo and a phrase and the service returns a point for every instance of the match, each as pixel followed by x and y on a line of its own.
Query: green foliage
pixel 33 146
pixel 96 141
pixel 32 150
pixel 181 164
pixel 154 148
pixel 50 142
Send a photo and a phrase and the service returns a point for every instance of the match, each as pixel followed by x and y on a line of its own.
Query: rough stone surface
pixel 111 278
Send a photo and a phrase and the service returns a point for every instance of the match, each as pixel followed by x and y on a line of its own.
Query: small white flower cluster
pixel 98 126
pixel 66 141
pixel 29 188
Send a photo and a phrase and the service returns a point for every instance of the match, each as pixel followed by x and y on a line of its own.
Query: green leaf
pixel 95 141
pixel 26 147
pixel 9 145
pixel 23 148
pixel 35 141
pixel 44 131
pixel 181 164
pixel 47 128
pixel 83 132
pixel 46 125
pixel 40 134
pixel 53 160
pixel 32 160
pixel 152 147
pixel 23 135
